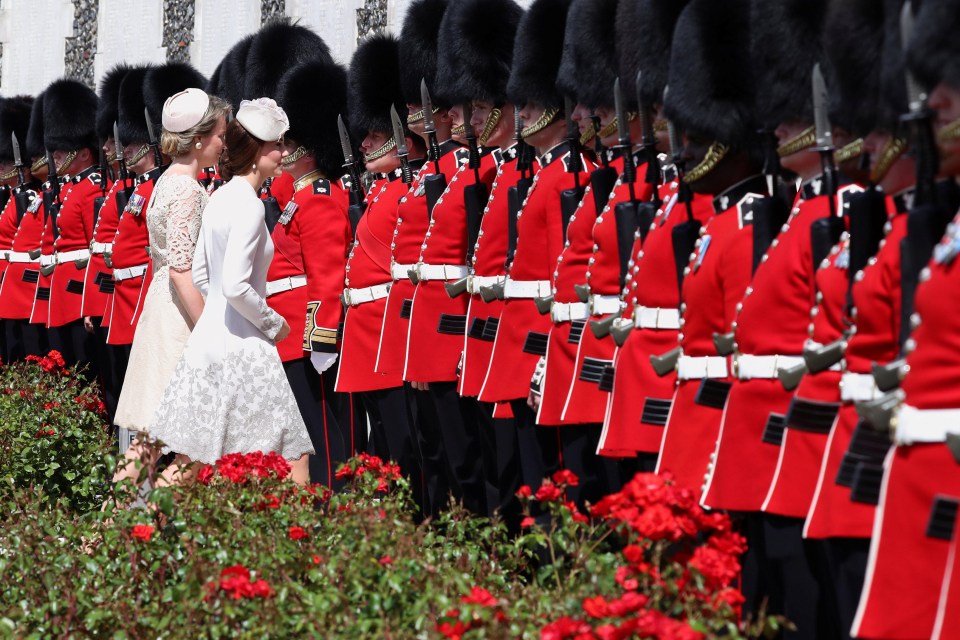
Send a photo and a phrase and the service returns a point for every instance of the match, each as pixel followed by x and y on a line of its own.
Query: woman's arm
pixel 183 229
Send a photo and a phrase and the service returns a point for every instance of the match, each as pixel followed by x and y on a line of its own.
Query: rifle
pixel 357 205
pixel 20 195
pixel 122 196
pixel 436 183
pixel 154 142
pixel 475 198
pixel 570 198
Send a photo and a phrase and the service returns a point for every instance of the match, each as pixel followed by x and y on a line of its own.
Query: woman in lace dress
pixel 193 136
pixel 229 393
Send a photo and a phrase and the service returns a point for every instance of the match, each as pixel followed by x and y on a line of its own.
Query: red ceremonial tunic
pixel 74 233
pixel 19 286
pixel 437 321
pixel 98 280
pixel 41 300
pixel 652 283
pixel 771 320
pixel 540 240
pixel 368 265
pixel 718 276
pixel 131 247
pixel 413 220
pixel 8 229
pixel 489 261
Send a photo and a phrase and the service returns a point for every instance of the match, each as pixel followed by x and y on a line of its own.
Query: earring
pixel 254 167
pixel 198 145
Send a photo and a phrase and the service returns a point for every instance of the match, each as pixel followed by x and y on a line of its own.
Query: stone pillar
pixel 130 33
pixel 33 58
pixel 218 25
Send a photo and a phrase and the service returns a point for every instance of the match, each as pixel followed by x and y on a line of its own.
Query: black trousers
pixel 117 357
pixel 318 404
pixel 847 569
pixel 599 476
pixel 460 423
pixel 77 346
pixel 429 439
pixel 392 435
pixel 24 339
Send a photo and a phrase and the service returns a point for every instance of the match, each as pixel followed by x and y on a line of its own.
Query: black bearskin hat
pixel 786 43
pixel 536 54
pixel 711 85
pixel 852 45
pixel 644 35
pixel 418 50
pixel 69 116
pixel 893 79
pixel 227 79
pixel 132 122
pixel 933 52
pixel 313 94
pixel 374 84
pixel 166 80
pixel 588 67
pixel 14 118
pixel 35 146
pixel 476 38
pixel 277 47
pixel 109 96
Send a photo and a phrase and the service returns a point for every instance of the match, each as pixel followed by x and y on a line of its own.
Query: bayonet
pixel 401 143
pixel 676 157
pixel 17 159
pixel 626 145
pixel 920 119
pixel 824 133
pixel 154 142
pixel 348 159
pixel 649 139
pixel 430 125
pixel 121 161
pixel 573 137
pixel 916 96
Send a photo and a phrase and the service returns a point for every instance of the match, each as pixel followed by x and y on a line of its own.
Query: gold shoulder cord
pixel 306 180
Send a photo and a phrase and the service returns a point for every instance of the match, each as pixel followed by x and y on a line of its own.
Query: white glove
pixel 322 361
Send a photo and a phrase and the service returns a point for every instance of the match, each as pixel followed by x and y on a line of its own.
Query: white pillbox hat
pixel 263 119
pixel 184 110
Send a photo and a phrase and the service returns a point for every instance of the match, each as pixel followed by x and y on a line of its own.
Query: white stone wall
pixel 128 32
pixel 336 22
pixel 33 49
pixel 218 25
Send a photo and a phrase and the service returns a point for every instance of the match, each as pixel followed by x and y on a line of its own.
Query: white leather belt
pixel 399 271
pixel 526 289
pixel 70 256
pixel 19 256
pixel 655 318
pixel 101 247
pixel 285 284
pixel 440 271
pixel 698 367
pixel 353 297
pixel 475 282
pixel 858 387
pixel 749 367
pixel 603 305
pixel 48 260
pixel 129 272
pixel 925 425
pixel 569 311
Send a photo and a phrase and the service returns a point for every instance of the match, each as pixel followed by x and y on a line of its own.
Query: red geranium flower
pixel 297 533
pixel 142 532
pixel 527 522
pixel 479 596
pixel 548 492
pixel 566 477
pixel 386 561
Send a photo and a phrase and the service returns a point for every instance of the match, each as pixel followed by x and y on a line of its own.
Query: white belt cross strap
pixel 440 271
pixel 602 305
pixel 101 247
pixel 925 425
pixel 399 271
pixel 858 387
pixel 129 272
pixel 526 289
pixel 70 256
pixel 475 282
pixel 354 297
pixel 655 318
pixel 285 284
pixel 569 311
pixel 698 367
pixel 48 260
pixel 750 367
pixel 19 256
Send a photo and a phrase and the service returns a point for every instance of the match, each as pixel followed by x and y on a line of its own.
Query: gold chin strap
pixel 62 169
pixel 891 153
pixel 138 156
pixel 493 119
pixel 307 179
pixel 38 164
pixel 849 152
pixel 715 154
pixel 111 157
pixel 387 147
pixel 611 127
pixel 460 130
pixel 588 135
pixel 9 175
pixel 806 139
pixel 416 117
pixel 660 125
pixel 541 123
pixel 950 133
pixel 298 153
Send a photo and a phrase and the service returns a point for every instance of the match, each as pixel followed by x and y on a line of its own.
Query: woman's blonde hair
pixel 175 145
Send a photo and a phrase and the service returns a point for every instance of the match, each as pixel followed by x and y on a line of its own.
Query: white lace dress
pixel 229 393
pixel 173 222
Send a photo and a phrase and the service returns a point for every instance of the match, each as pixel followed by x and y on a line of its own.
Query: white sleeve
pixel 201 274
pixel 243 242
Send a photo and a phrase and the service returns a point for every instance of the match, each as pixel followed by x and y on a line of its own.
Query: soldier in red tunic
pixel 373 87
pixel 14 121
pixel 69 113
pixel 312 239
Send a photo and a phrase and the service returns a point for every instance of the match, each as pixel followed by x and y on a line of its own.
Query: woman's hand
pixel 283 333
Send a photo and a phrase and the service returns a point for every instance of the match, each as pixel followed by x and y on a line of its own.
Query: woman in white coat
pixel 229 393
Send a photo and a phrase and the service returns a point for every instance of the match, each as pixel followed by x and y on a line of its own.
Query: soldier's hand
pixel 88 324
pixel 283 333
pixel 421 386
pixel 533 401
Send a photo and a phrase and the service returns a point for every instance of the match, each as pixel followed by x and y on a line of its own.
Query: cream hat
pixel 263 119
pixel 184 110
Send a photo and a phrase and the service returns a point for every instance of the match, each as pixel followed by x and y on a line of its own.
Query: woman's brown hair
pixel 241 152
pixel 179 144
